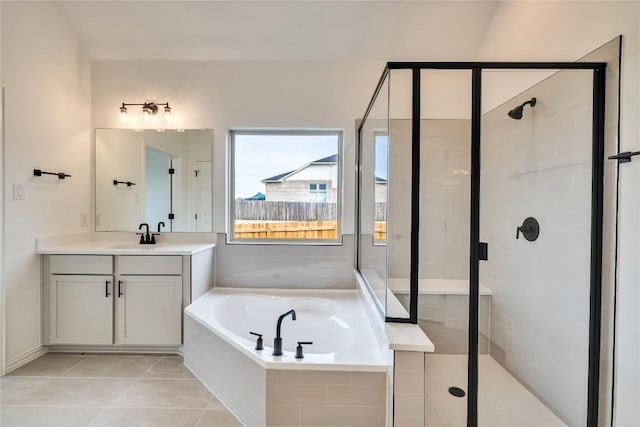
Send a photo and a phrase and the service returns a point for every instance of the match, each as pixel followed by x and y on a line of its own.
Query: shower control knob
pixel 299 354
pixel 530 229
pixel 259 345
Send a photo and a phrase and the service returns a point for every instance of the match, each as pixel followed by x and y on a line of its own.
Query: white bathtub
pixel 220 351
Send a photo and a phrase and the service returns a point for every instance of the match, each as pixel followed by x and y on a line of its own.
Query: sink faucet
pixel 277 341
pixel 145 238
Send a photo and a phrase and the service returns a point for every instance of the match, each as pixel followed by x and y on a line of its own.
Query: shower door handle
pixel 483 251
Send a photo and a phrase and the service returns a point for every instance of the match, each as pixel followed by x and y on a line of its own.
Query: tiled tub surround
pixel 341 383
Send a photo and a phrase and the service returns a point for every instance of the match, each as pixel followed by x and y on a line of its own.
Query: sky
pixel 257 157
pixel 381 156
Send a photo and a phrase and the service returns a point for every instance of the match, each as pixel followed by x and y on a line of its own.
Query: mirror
pixel 151 176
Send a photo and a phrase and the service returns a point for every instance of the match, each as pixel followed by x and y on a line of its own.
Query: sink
pixel 132 246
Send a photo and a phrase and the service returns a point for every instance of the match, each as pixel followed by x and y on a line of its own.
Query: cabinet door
pixel 149 310
pixel 80 309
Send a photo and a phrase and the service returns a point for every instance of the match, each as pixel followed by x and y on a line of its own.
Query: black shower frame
pixel 597 177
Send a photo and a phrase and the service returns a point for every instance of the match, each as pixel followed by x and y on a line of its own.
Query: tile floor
pixel 502 400
pixel 69 390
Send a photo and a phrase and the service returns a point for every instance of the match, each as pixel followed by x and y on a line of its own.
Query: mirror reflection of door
pixel 157 195
pixel 203 196
pixel 143 157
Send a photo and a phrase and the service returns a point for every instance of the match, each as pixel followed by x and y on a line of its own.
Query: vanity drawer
pixel 149 264
pixel 81 264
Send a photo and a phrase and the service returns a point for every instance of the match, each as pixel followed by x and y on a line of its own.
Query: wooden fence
pixel 259 219
pixel 285 230
pixel 296 230
pixel 381 211
pixel 262 210
pixel 380 230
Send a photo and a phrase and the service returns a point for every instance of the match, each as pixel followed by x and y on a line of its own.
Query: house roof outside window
pixel 329 160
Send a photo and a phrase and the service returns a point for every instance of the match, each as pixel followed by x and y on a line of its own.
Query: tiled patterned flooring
pixel 71 390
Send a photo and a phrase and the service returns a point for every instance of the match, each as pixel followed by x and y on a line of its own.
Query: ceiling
pixel 280 30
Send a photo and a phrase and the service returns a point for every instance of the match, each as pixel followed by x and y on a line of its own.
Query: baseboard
pixel 61 348
pixel 25 358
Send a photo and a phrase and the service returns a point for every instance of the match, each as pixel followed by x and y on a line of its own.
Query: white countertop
pixel 408 337
pixel 400 336
pixel 84 246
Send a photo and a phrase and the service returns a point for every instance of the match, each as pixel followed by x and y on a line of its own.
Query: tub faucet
pixel 277 341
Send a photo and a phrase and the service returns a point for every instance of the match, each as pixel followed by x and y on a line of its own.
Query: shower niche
pixel 449 163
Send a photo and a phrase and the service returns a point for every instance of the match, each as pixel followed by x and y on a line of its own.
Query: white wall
pixel 47 119
pixel 568 31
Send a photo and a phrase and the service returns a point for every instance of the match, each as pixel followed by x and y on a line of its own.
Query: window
pixel 381 153
pixel 318 193
pixel 285 186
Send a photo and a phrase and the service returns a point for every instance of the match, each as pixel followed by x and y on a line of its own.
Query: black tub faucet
pixel 277 341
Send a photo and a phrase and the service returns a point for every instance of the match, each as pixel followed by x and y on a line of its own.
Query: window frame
pixel 230 237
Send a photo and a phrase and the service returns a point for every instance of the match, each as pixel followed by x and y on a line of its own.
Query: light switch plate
pixel 18 192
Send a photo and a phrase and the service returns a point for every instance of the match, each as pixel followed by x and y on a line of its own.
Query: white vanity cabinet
pixel 148 296
pixel 129 301
pixel 80 302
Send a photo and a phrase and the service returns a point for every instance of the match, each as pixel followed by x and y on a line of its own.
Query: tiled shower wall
pixel 444 197
pixel 540 167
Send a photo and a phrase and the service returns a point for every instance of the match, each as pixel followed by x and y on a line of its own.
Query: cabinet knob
pixel 106 288
pixel 120 293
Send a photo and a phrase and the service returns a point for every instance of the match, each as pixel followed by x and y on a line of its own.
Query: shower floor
pixel 502 400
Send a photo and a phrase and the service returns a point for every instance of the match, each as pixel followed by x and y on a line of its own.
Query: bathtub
pixel 345 367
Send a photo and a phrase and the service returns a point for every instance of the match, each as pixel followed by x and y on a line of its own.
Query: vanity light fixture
pixel 148 109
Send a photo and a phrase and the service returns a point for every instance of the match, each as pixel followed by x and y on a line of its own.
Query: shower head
pixel 516 113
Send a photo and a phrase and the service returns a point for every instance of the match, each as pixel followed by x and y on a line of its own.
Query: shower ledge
pixel 435 286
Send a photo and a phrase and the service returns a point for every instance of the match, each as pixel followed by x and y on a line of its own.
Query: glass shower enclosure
pixel 479 218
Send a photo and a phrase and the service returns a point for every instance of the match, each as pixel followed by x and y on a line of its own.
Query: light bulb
pixel 123 114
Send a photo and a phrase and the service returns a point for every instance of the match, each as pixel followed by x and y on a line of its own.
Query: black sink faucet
pixel 161 223
pixel 277 341
pixel 145 238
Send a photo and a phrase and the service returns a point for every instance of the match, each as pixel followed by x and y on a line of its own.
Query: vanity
pixel 103 291
pixel 101 295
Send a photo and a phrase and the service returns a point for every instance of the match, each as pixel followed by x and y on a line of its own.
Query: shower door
pixel 540 204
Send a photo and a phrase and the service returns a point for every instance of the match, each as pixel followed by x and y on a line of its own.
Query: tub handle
pixel 299 354
pixel 259 345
